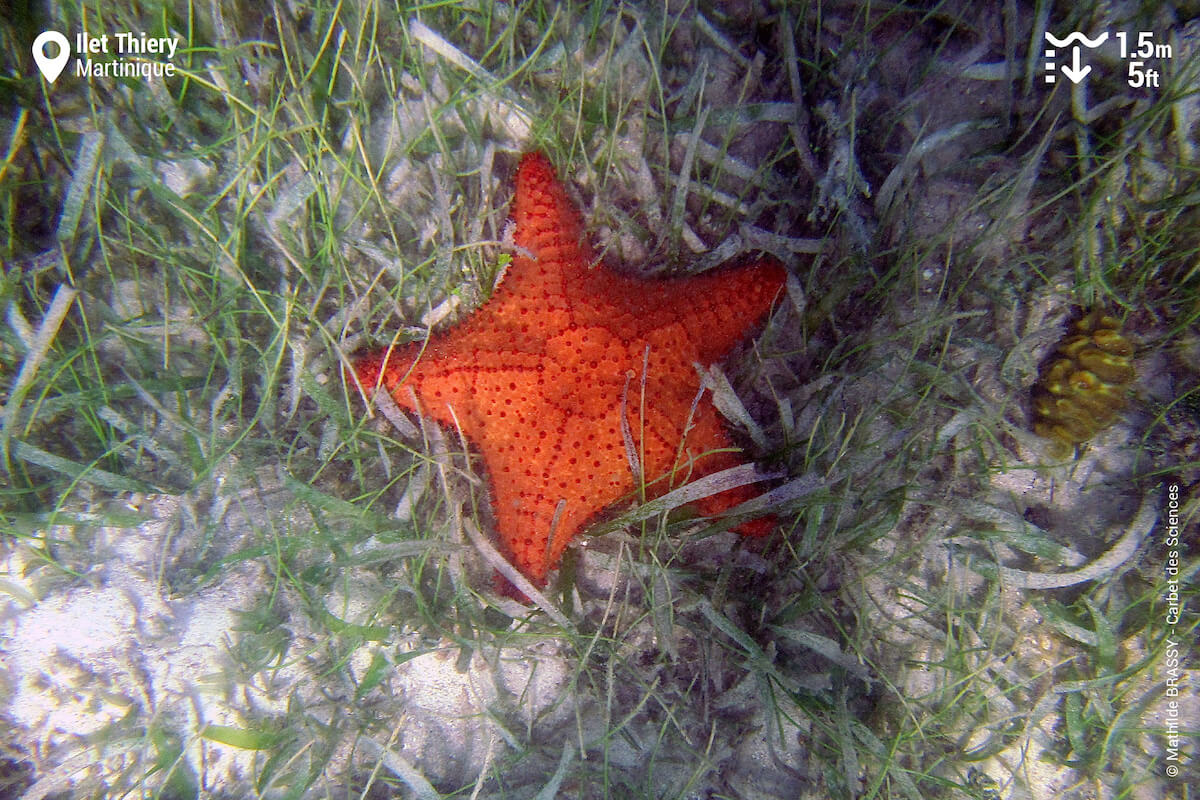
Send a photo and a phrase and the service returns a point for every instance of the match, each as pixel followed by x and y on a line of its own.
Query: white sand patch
pixel 114 655
pixel 87 657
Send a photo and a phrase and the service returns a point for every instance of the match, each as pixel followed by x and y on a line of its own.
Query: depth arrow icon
pixel 1075 73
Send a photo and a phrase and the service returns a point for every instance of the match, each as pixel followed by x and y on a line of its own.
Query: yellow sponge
pixel 1083 385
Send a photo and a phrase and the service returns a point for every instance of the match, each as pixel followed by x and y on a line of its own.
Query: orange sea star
pixel 541 377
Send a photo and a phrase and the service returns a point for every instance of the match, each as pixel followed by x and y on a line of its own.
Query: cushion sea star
pixel 569 364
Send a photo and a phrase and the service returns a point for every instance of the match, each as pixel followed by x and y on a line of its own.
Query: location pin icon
pixel 51 66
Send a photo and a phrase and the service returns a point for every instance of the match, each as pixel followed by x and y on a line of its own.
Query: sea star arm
pixel 549 477
pixel 714 311
pixel 552 254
